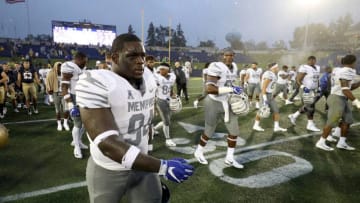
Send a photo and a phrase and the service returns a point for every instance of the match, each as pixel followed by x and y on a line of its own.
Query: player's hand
pixel 176 170
pixel 73 110
pixel 306 90
pixel 237 90
pixel 356 103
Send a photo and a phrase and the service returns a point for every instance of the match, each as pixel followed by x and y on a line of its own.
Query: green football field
pixel 38 166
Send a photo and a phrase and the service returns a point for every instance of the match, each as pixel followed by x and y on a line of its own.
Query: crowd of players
pixel 75 91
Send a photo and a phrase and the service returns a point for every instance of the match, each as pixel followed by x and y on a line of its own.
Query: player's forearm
pixel 348 94
pixel 355 86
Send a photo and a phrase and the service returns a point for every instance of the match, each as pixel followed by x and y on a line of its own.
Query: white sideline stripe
pixel 42 192
pixel 82 184
pixel 33 121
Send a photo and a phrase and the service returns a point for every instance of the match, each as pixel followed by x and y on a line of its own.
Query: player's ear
pixel 115 57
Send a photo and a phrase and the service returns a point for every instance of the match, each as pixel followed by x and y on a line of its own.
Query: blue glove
pixel 176 170
pixel 75 112
pixel 306 90
pixel 237 90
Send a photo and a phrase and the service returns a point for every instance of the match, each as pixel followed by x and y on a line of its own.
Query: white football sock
pixel 166 130
pixel 159 125
pixel 276 124
pixel 59 122
pixel 296 114
pixel 76 136
pixel 230 153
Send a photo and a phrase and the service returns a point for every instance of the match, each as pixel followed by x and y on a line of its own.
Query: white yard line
pixel 33 121
pixel 211 156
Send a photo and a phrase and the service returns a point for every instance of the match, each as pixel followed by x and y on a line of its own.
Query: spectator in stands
pixel 52 82
pixel 27 76
pixel 181 81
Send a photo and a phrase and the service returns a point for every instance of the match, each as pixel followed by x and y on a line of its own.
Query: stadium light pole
pixel 309 5
pixel 169 40
pixel 142 26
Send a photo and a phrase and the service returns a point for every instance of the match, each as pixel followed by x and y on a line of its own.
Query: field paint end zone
pixel 193 160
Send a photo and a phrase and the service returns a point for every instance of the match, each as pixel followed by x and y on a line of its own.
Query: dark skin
pixel 348 94
pixel 127 63
pixel 228 58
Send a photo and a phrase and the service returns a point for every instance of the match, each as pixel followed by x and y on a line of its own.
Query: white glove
pixel 356 103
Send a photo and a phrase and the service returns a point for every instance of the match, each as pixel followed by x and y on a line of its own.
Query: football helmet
pixel 308 97
pixel 239 104
pixel 175 104
pixel 4 136
pixel 264 111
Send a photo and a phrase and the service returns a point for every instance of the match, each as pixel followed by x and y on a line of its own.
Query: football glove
pixel 176 170
pixel 74 112
pixel 237 90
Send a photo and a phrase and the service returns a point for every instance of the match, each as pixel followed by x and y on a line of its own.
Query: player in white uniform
pixel 220 83
pixel 268 83
pixel 42 75
pixel 252 81
pixel 117 108
pixel 295 88
pixel 165 83
pixel 242 75
pixel 282 83
pixel 308 80
pixel 340 112
pixel 70 72
pixel 204 93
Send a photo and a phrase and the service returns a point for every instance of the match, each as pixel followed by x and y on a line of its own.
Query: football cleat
pixel 312 127
pixel 196 102
pixel 287 102
pixel 200 157
pixel 233 162
pixel 170 143
pixel 292 119
pixel 82 145
pixel 323 146
pixel 16 110
pixel 59 127
pixel 331 139
pixel 345 146
pixel 66 126
pixel 258 128
pixel 36 111
pixel 77 153
pixel 257 105
pixel 279 129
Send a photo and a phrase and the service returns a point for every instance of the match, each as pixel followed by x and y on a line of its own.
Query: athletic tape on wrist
pixel 130 156
pixel 163 167
pixel 104 135
pixel 223 90
pixel 65 82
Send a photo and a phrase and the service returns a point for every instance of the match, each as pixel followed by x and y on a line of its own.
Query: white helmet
pixel 175 104
pixel 264 111
pixel 239 104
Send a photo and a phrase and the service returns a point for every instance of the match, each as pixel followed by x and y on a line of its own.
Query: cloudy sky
pixel 268 20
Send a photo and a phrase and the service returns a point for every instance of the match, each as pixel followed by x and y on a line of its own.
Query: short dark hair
pixel 80 55
pixel 285 67
pixel 311 58
pixel 164 64
pixel 254 63
pixel 149 58
pixel 348 59
pixel 119 41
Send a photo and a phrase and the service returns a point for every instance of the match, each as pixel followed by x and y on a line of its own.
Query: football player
pixel 53 83
pixel 70 72
pixel 27 76
pixel 116 108
pixel 293 86
pixel 281 85
pixel 339 107
pixel 252 82
pixel 220 83
pixel 268 83
pixel 308 80
pixel 165 82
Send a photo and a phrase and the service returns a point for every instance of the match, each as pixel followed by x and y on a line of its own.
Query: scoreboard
pixel 83 33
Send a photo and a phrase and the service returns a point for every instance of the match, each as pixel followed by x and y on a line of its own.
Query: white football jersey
pixel 337 74
pixel 242 72
pixel 292 75
pixel 43 73
pixel 311 79
pixel 281 80
pixel 132 108
pixel 272 77
pixel 227 77
pixel 72 68
pixel 164 85
pixel 254 75
pixel 186 71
